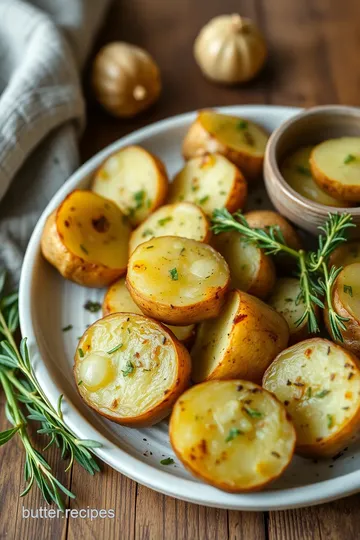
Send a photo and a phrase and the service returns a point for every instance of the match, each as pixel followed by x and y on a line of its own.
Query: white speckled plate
pixel 48 303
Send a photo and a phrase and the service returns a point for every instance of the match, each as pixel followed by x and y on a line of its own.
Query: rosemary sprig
pixel 24 395
pixel 316 280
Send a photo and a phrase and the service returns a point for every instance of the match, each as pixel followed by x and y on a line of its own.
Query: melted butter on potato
pixel 126 365
pixel 232 434
pixel 319 383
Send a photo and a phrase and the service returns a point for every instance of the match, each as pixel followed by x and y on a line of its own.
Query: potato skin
pixel 199 141
pixel 345 254
pixel 257 336
pixel 262 219
pixel 72 266
pixel 162 409
pixel 343 192
pixel 265 278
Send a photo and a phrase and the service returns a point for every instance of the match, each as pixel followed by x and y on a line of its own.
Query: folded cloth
pixel 43 45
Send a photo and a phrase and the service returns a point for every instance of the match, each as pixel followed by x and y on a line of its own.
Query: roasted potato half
pixel 86 239
pixel 178 280
pixel 319 383
pixel 345 254
pixel 251 270
pixel 131 369
pixel 243 142
pixel 210 181
pixel 297 173
pixel 241 342
pixel 179 219
pixel 135 180
pixel 284 300
pixel 118 300
pixel 346 302
pixel 232 434
pixel 335 165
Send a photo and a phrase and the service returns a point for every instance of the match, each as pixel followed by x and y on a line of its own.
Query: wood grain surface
pixel 313 59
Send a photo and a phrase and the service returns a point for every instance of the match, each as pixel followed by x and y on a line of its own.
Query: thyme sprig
pixel 316 278
pixel 26 402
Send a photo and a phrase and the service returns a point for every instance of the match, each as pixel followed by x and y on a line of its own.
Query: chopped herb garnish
pixel 222 193
pixel 348 290
pixel 129 368
pixel 81 353
pixel 309 392
pixel 67 328
pixel 163 221
pixel 234 432
pixel 253 413
pixel 167 461
pixel 139 198
pixel 322 393
pixel 149 247
pixel 330 421
pixel 203 199
pixel 349 159
pixel 116 348
pixel 80 383
pixel 93 307
pixel 174 274
pixel 303 170
pixel 194 187
pixel 182 251
pixel 243 124
pixel 83 248
pixel 147 232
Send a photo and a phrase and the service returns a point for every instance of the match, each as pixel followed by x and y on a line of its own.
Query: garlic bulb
pixel 230 49
pixel 126 79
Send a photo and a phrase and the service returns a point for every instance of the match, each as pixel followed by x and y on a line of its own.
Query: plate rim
pixel 146 474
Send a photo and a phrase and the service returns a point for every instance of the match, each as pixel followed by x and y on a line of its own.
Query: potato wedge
pixel 345 254
pixel 233 435
pixel 135 180
pixel 243 142
pixel 241 342
pixel 86 239
pixel 177 280
pixel 319 383
pixel 346 302
pixel 335 166
pixel 210 181
pixel 131 369
pixel 284 301
pixel 179 219
pixel 297 173
pixel 118 300
pixel 251 270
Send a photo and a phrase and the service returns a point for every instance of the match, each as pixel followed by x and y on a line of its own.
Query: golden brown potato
pixel 284 301
pixel 177 280
pixel 345 254
pixel 233 435
pixel 335 166
pixel 319 383
pixel 118 300
pixel 243 142
pixel 251 270
pixel 241 342
pixel 135 180
pixel 210 181
pixel 346 302
pixel 296 171
pixel 86 239
pixel 131 369
pixel 179 219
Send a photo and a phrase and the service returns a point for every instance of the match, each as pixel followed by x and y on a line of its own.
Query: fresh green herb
pixel 348 290
pixel 147 232
pixel 330 421
pixel 194 187
pixel 67 328
pixel 349 159
pixel 253 413
pixel 149 247
pixel 139 197
pixel 167 461
pixel 93 307
pixel 182 250
pixel 322 393
pixel 80 382
pixel 234 432
pixel 203 199
pixel 81 352
pixel 83 248
pixel 129 368
pixel 163 221
pixel 242 124
pixel 174 274
pixel 222 193
pixel 303 170
pixel 249 139
pixel 116 348
pixel 26 402
pixel 309 392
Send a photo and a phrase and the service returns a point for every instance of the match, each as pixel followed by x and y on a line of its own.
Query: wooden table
pixel 314 48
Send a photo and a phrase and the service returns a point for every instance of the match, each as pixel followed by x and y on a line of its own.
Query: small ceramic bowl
pixel 309 127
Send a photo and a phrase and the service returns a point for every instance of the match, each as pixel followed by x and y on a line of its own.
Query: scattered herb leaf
pixel 163 221
pixel 167 461
pixel 93 307
pixel 243 124
pixel 330 421
pixel 116 348
pixel 129 368
pixel 253 413
pixel 349 159
pixel 303 170
pixel 348 290
pixel 83 248
pixel 174 274
pixel 234 432
pixel 67 328
pixel 81 352
pixel 147 232
pixel 203 199
pixel 322 393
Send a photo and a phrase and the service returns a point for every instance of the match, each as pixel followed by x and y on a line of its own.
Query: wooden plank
pixel 246 526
